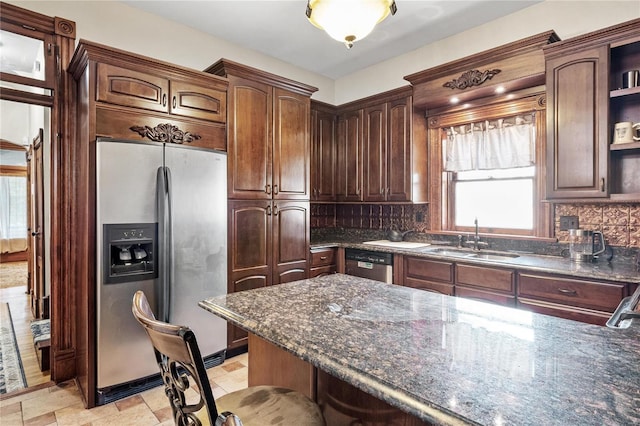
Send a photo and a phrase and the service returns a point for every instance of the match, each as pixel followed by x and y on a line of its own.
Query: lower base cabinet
pixel 323 261
pixel 426 274
pixel 493 285
pixel 581 300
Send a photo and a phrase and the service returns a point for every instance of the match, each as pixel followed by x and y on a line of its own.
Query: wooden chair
pixel 179 359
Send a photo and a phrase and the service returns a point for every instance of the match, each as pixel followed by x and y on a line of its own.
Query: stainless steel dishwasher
pixel 369 264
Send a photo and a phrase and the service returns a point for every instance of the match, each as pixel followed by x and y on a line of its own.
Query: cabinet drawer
pixel 322 270
pixel 429 286
pixel 488 278
pixel 486 296
pixel 427 270
pixel 130 88
pixel 589 316
pixel 586 294
pixel 323 257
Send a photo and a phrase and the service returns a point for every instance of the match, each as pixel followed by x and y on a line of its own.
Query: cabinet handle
pixel 268 210
pixel 323 257
pixel 267 189
pixel 388 191
pixel 275 189
pixel 164 100
pixel 602 185
pixel 275 210
pixel 567 291
pixel 174 102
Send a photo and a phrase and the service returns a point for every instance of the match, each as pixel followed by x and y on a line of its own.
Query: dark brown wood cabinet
pixel 323 151
pixel 268 185
pixel 387 151
pixel 427 274
pixel 585 99
pixel 138 89
pixel 269 244
pixel 571 298
pixel 323 261
pixel 269 134
pixel 495 285
pixel 349 156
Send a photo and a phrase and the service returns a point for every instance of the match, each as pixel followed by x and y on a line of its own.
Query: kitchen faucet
pixel 476 238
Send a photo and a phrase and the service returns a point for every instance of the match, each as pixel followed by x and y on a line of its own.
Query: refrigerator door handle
pixel 163 197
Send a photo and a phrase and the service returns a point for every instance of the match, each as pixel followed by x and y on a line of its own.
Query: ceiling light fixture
pixel 348 21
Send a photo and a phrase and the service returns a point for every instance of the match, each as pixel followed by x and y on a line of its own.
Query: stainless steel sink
pixel 493 256
pixel 467 254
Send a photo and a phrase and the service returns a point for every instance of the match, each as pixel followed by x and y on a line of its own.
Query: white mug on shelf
pixel 626 132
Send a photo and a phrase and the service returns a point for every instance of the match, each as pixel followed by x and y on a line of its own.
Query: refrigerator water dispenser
pixel 130 252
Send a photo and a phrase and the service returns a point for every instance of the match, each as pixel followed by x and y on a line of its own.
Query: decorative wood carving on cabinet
pixel 269 143
pixel 130 97
pixel 585 100
pixel 514 66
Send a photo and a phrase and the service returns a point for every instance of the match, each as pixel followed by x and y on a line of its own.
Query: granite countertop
pixel 449 360
pixel 611 271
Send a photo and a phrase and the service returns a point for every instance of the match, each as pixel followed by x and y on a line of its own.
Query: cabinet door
pixel 121 86
pixel 323 157
pixel 291 145
pixel 349 157
pixel 196 101
pixel 249 139
pixel 577 135
pixel 374 153
pixel 399 150
pixel 430 275
pixel 290 240
pixel 249 254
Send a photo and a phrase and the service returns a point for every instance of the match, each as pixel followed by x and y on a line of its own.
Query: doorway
pixel 24 245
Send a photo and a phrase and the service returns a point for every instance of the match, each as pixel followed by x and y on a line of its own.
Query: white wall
pixel 118 25
pixel 121 26
pixel 566 18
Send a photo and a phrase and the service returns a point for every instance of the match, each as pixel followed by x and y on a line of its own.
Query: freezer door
pixel 198 192
pixel 126 179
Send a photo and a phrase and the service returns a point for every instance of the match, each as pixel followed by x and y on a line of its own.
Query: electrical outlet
pixel 568 222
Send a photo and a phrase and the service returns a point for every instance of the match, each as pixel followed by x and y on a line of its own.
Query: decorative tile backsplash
pixel 402 217
pixel 619 223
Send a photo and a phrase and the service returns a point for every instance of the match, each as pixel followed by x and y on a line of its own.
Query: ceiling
pixel 280 28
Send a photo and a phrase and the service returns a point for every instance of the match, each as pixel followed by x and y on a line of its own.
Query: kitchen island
pixel 447 360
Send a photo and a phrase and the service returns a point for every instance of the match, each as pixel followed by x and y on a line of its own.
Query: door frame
pixel 59 36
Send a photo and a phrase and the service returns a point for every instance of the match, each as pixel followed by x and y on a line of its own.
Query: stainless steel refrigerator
pixel 161 228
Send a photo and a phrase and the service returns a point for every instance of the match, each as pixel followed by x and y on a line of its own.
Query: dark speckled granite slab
pixel 449 360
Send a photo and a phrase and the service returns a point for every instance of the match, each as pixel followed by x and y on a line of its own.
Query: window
pixel 488 163
pixel 499 199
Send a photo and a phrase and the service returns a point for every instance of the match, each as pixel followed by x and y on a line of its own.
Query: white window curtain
pixel 502 144
pixel 13 214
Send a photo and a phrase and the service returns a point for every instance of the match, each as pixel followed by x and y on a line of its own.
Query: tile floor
pixel 61 404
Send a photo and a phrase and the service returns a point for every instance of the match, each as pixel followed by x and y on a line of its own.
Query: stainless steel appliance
pixel 582 245
pixel 161 228
pixel 627 311
pixel 369 264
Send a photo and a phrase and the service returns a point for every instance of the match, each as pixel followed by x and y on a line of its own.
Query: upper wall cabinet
pixel 323 151
pixel 585 98
pixel 511 67
pixel 137 98
pixel 269 134
pixel 381 150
